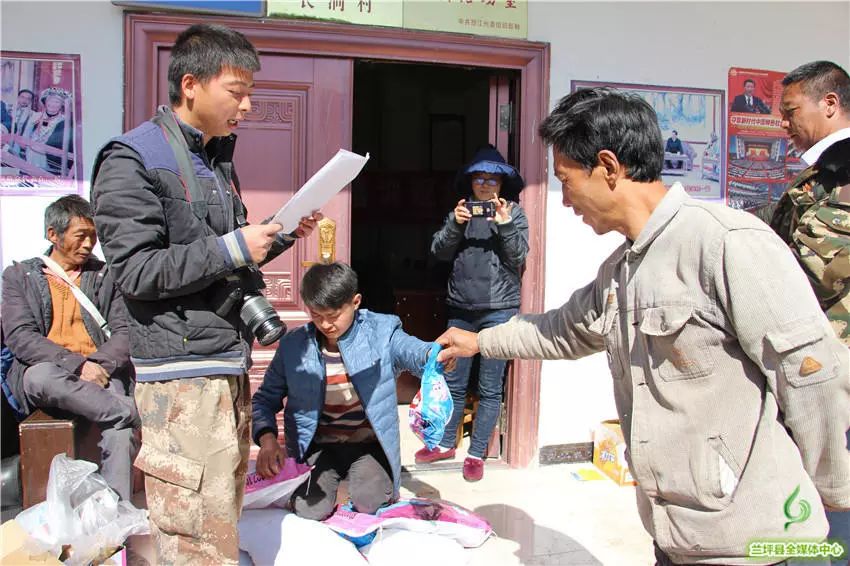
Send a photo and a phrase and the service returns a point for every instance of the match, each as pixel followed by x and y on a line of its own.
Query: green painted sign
pixel 364 12
pixel 499 18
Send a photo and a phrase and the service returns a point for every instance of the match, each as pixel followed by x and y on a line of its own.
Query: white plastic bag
pixel 393 547
pixel 81 511
pixel 276 537
pixel 273 492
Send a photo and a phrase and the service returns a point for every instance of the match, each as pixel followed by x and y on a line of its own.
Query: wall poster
pixel 761 159
pixel 41 132
pixel 691 121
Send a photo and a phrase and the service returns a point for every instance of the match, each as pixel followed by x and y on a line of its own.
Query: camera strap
pixel 180 148
pixel 81 297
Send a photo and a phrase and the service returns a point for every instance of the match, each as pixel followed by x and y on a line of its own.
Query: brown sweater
pixel 67 328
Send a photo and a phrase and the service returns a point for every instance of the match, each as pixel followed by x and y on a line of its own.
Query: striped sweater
pixel 343 418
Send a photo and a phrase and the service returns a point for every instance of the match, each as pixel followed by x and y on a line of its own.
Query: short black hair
pixel 675 132
pixel 749 81
pixel 58 214
pixel 204 50
pixel 819 78
pixel 329 285
pixel 23 90
pixel 589 120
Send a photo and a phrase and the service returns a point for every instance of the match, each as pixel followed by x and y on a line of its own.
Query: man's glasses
pixel 483 181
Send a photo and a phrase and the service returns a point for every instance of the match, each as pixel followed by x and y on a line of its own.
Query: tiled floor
pixel 540 516
pixel 544 516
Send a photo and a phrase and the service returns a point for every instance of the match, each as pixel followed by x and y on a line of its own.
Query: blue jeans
pixel 490 376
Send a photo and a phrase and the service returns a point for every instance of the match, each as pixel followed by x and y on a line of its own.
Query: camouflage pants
pixel 195 442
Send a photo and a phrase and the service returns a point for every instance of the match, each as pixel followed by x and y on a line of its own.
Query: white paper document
pixel 320 188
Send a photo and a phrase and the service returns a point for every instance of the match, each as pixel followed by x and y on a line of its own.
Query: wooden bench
pixel 42 437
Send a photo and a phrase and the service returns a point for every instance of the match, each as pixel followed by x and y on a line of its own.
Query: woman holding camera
pixel 486 238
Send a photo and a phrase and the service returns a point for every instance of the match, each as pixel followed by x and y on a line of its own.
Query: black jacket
pixel 27 313
pixel 488 260
pixel 168 263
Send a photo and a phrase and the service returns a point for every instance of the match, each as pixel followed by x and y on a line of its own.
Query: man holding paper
pixel 175 236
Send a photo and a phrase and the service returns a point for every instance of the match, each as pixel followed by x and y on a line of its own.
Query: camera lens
pixel 261 318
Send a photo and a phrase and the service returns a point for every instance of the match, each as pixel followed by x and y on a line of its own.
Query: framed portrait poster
pixel 694 130
pixel 762 160
pixel 41 131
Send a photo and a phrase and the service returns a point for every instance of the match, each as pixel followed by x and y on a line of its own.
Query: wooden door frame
pixel 146 34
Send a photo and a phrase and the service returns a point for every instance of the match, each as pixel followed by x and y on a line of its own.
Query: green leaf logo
pixel 805 509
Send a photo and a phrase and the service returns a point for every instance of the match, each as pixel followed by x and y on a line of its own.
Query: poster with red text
pixel 761 161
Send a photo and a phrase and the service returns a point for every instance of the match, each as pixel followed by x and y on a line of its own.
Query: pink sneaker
pixel 473 469
pixel 428 456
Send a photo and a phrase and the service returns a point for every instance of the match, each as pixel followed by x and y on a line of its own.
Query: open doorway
pixel 304 102
pixel 421 123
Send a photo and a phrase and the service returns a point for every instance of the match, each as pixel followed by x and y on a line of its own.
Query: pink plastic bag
pixel 418 515
pixel 273 492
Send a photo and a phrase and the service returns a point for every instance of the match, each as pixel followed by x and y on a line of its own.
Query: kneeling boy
pixel 337 374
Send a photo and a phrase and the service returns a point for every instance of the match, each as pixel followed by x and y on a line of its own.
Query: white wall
pixel 94 30
pixel 664 43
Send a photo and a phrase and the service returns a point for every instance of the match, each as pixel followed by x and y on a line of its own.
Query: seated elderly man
pixel 65 324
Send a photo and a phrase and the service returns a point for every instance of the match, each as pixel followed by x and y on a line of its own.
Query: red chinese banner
pixel 761 161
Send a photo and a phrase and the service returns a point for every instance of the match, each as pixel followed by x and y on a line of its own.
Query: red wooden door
pixel 300 116
pixel 147 37
pixel 502 134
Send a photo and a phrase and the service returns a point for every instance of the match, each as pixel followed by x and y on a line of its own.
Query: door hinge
pixel 503 419
pixel 506 115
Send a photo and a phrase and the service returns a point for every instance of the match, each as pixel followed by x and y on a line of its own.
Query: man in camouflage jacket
pixel 813 215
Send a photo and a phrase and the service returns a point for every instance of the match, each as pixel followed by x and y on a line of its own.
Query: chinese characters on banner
pixel 691 121
pixel 501 18
pixel 761 160
pixel 364 12
pixel 40 136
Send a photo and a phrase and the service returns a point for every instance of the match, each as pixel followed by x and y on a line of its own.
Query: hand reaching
pixel 457 343
pixel 271 456
pixel 308 224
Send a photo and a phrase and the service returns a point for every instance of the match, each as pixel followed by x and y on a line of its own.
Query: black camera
pixel 483 208
pixel 245 286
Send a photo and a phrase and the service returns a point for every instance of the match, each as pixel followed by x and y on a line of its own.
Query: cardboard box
pixel 15 544
pixel 609 452
pixel 117 559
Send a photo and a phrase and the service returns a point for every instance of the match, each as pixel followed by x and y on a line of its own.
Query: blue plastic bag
pixel 432 407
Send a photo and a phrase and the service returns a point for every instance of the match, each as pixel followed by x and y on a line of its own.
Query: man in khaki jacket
pixel 731 388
